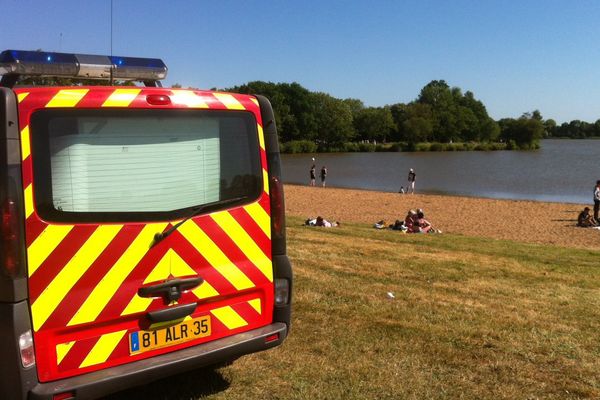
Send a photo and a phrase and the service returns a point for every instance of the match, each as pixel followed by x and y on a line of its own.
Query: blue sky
pixel 514 56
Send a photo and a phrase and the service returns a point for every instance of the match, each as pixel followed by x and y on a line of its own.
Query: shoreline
pixel 527 221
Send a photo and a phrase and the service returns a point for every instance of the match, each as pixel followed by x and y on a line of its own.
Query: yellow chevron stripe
pixel 260 216
pixel 213 254
pixel 45 244
pixel 28 201
pixel 21 96
pixel 229 101
pixel 254 101
pixel 248 246
pixel 261 137
pixel 68 276
pixel 103 348
pixel 61 351
pixel 188 98
pixel 67 98
pixel 25 144
pixel 121 97
pixel 256 305
pixel 266 181
pixel 114 278
pixel 229 317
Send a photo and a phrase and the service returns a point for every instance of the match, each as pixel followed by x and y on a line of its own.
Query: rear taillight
pixel 26 349
pixel 277 211
pixel 10 238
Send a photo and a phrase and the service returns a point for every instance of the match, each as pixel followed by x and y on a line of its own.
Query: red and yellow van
pixel 142 229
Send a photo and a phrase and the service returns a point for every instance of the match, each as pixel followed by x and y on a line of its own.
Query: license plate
pixel 142 341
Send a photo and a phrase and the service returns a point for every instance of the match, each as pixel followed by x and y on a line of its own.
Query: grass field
pixel 472 318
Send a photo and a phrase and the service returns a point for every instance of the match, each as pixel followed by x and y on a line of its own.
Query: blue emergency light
pixel 15 63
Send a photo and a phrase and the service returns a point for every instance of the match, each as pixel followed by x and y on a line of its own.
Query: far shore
pixel 520 220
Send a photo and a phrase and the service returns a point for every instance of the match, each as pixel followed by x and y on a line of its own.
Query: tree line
pixel 441 116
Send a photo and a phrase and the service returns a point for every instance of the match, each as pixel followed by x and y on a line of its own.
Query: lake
pixel 561 171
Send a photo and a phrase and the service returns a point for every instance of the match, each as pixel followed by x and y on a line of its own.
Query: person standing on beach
pixel 323 175
pixel 597 201
pixel 313 175
pixel 412 177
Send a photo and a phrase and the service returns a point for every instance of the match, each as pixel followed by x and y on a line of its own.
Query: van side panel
pixel 84 277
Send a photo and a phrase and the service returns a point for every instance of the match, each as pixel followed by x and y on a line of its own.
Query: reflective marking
pixel 103 348
pixel 61 351
pixel 229 317
pixel 45 244
pixel 248 246
pixel 21 96
pixel 28 201
pixel 113 279
pixel 230 102
pixel 266 180
pixel 255 101
pixel 256 305
pixel 67 98
pixel 214 255
pixel 121 97
pixel 188 98
pixel 25 144
pixel 68 276
pixel 260 216
pixel 261 137
pixel 171 264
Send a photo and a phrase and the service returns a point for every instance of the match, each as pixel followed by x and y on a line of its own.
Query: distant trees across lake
pixel 440 118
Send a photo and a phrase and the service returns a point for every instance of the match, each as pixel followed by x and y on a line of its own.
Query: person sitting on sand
pixel 585 219
pixel 410 221
pixel 423 225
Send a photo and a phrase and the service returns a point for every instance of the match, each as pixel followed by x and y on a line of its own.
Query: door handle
pixel 171 289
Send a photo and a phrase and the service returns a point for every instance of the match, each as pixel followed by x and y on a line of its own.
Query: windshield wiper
pixel 195 211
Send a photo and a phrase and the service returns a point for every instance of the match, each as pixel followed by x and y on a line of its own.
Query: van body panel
pixel 84 277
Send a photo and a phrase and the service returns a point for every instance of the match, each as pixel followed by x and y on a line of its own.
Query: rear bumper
pixel 104 382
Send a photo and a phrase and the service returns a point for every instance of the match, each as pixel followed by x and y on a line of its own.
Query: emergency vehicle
pixel 142 231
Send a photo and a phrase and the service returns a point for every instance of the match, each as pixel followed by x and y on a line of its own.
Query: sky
pixel 515 56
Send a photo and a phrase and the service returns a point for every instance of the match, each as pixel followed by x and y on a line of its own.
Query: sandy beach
pixel 523 221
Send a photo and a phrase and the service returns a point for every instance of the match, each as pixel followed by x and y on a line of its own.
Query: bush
pixel 366 147
pixel 298 146
pixel 436 147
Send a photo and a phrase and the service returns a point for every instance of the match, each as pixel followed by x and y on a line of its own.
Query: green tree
pixel 334 120
pixel 374 124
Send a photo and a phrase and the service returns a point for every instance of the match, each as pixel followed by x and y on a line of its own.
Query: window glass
pixel 139 164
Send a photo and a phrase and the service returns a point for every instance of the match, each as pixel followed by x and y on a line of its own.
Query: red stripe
pixel 77 354
pixel 27 171
pixel 94 98
pixel 232 251
pixel 265 203
pixel 253 229
pixel 92 277
pixel 56 261
pixel 248 313
pixel 33 228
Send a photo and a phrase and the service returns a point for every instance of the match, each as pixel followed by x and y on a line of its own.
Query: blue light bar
pixel 88 66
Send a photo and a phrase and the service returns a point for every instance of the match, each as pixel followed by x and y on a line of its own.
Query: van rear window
pixel 139 165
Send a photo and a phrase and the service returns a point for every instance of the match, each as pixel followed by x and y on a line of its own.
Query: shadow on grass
pixel 195 384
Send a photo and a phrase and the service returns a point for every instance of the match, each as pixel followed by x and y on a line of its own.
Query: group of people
pixel 587 220
pixel 414 222
pixel 313 175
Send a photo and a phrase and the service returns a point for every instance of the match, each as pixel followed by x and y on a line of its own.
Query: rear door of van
pixel 147 225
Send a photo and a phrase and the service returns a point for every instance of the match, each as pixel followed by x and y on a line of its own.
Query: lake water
pixel 561 171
